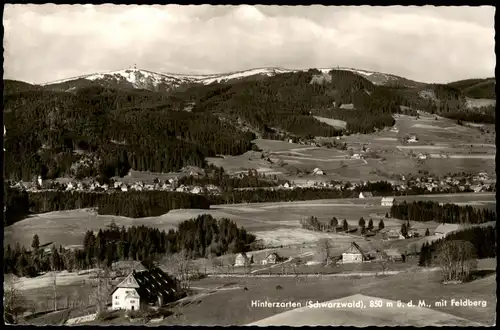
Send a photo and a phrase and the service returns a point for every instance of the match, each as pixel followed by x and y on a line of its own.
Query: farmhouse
pixel 387 201
pixel 392 234
pixel 243 259
pixel 365 194
pixel 445 229
pixel 144 287
pixel 393 254
pixel 412 139
pixel 354 254
pixel 318 171
pixel 271 258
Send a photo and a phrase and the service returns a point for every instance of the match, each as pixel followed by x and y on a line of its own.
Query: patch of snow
pixel 140 78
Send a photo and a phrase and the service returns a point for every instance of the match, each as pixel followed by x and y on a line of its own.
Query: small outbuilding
pixel 388 201
pixel 365 194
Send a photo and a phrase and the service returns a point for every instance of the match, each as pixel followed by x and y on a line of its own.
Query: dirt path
pixel 389 272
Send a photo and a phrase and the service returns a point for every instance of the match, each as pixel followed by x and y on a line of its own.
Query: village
pixel 460 182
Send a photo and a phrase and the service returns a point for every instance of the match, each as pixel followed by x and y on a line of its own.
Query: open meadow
pixel 275 223
pixel 442 140
pixel 407 286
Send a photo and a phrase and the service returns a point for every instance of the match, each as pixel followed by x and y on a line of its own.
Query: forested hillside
pixel 447 101
pixel 476 88
pixel 99 131
pixel 287 102
pixel 49 133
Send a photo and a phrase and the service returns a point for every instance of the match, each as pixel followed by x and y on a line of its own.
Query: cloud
pixel 434 44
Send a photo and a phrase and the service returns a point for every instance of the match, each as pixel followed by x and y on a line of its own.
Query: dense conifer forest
pixel 444 213
pixel 484 240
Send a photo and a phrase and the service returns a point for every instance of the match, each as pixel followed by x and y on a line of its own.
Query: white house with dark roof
pixel 387 201
pixel 144 287
pixel 318 171
pixel 243 259
pixel 445 229
pixel 354 254
pixel 272 258
pixel 365 194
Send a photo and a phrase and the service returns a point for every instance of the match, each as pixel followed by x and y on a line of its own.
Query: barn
pixel 242 259
pixel 145 287
pixel 354 254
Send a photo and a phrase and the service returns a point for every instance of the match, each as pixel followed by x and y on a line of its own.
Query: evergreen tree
pixel 55 259
pixel 345 225
pixel 422 261
pixel 370 224
pixel 427 233
pixel 334 223
pixel 404 230
pixel 381 224
pixel 35 243
pixel 361 222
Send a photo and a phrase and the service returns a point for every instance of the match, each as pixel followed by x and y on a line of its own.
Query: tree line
pixel 444 213
pixel 202 236
pixel 482 241
pixel 333 225
pixel 134 204
pixel 137 204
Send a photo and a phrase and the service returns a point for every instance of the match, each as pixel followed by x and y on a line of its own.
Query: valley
pixel 266 184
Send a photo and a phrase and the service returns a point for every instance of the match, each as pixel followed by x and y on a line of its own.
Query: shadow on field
pixel 482 273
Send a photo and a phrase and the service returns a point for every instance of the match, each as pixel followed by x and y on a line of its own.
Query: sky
pixel 44 43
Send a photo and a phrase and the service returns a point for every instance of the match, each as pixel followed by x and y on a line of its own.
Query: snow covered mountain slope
pixel 154 81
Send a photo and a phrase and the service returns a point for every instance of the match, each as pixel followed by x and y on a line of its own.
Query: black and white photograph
pixel 249 165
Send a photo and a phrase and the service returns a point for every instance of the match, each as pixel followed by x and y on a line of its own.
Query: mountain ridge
pixel 159 81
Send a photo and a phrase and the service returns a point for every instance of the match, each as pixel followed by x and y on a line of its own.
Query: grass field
pixel 435 136
pixel 405 287
pixel 68 227
pixel 215 290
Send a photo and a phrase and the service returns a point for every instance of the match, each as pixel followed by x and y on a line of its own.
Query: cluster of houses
pixel 475 184
pixel 74 185
pixel 245 259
